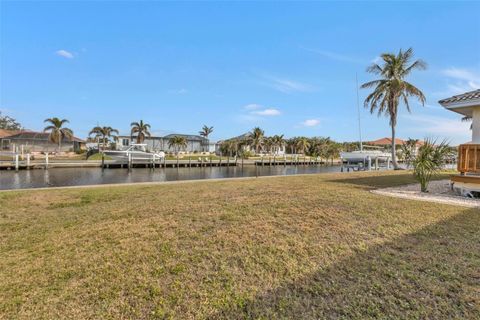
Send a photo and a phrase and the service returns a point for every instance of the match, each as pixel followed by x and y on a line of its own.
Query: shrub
pixel 430 159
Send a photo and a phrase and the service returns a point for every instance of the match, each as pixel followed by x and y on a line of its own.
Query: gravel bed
pixel 439 191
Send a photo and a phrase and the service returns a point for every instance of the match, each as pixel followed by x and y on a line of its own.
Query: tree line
pixel 256 142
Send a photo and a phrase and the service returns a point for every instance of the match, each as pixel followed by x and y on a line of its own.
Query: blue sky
pixel 286 67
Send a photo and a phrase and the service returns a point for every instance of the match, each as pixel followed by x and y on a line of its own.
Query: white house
pixel 468 105
pixel 156 143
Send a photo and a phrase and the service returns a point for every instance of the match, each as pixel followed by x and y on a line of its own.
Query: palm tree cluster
pixel 320 147
pixel 103 134
pixel 409 150
pixel 323 148
pixel 177 143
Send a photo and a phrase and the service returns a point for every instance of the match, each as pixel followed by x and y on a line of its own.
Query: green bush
pixel 428 162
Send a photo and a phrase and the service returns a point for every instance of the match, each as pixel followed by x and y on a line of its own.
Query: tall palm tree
pixel 57 131
pixel 333 150
pixel 141 130
pixel 303 144
pixel 104 134
pixel 177 143
pixel 205 132
pixel 392 89
pixel 229 147
pixel 278 143
pixel 256 138
pixel 292 145
pixel 268 144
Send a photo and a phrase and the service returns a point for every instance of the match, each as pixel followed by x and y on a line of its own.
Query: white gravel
pixel 439 191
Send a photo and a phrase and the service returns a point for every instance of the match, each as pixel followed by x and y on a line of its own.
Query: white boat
pixel 364 155
pixel 363 158
pixel 135 152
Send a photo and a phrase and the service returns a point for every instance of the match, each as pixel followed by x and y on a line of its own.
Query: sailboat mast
pixel 358 111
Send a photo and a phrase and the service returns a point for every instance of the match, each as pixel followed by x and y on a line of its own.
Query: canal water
pixel 61 177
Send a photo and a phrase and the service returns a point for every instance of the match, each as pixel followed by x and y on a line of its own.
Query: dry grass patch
pixel 318 246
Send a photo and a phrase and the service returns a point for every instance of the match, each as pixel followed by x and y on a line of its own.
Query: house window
pixel 5 145
pixel 125 142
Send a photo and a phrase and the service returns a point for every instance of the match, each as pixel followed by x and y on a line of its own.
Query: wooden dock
pixel 290 162
pixel 111 164
pixel 25 163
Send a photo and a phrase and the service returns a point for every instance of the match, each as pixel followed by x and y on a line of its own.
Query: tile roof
pixel 190 137
pixel 32 135
pixel 464 97
pixel 385 141
pixel 5 133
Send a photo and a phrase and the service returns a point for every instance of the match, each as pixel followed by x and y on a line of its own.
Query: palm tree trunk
pixel 59 143
pixel 394 153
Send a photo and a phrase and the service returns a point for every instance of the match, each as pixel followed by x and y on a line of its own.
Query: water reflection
pixel 58 177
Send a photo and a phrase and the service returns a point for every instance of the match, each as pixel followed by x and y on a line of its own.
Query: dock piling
pixel 16 162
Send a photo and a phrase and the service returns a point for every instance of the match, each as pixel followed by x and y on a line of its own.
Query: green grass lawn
pixel 299 247
pixel 98 156
pixel 193 157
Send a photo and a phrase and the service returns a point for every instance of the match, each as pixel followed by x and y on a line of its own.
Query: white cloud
pixel 286 85
pixel 462 74
pixel 65 54
pixel 180 91
pixel 256 112
pixel 453 130
pixel 461 80
pixel 335 55
pixel 267 112
pixel 252 106
pixel 311 123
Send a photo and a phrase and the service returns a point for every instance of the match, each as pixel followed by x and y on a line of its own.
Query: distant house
pixel 388 142
pixel 5 143
pixel 31 141
pixel 247 147
pixel 195 143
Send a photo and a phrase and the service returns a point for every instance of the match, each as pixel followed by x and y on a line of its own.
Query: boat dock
pixel 25 162
pixel 289 162
pixel 111 164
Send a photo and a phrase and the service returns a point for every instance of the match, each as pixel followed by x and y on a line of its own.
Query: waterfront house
pixel 468 105
pixel 26 141
pixel 4 141
pixel 195 143
pixel 243 139
pixel 386 144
